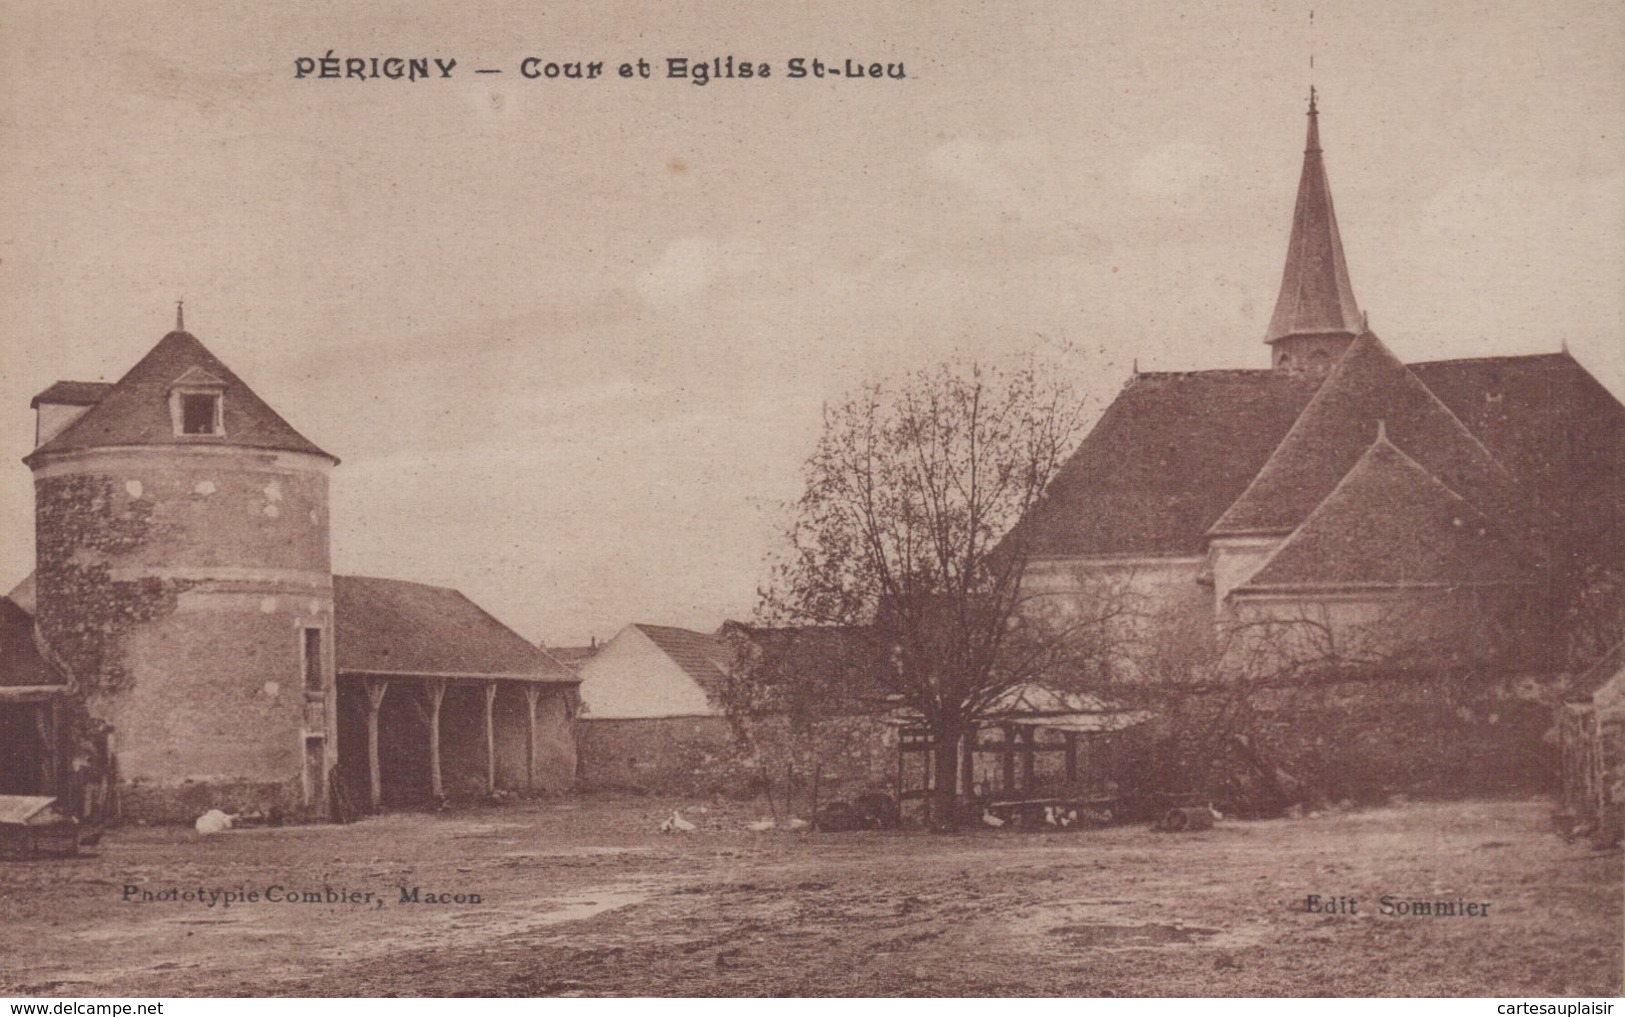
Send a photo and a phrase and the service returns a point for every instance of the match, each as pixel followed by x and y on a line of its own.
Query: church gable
pixel 1389 523
pixel 1368 385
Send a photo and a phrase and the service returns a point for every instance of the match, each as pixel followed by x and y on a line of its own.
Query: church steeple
pixel 1315 315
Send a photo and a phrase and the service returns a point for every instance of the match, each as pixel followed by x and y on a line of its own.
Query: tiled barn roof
pixel 388 626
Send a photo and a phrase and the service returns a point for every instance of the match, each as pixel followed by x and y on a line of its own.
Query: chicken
pixel 761 826
pixel 212 822
pixel 989 819
pixel 675 823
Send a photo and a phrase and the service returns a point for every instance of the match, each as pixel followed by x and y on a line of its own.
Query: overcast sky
pixel 570 338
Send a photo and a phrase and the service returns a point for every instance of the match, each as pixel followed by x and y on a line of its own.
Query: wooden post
pixel 45 729
pixel 967 765
pixel 376 687
pixel 1029 775
pixel 1007 753
pixel 900 757
pixel 1071 757
pixel 436 688
pixel 930 751
pixel 490 740
pixel 532 694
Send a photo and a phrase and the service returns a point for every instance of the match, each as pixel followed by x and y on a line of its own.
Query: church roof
pixel 389 626
pixel 135 409
pixel 1176 450
pixel 1367 385
pixel 1391 523
pixel 1169 455
pixel 1316 297
pixel 1550 423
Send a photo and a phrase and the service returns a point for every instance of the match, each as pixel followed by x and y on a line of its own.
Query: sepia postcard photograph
pixel 864 498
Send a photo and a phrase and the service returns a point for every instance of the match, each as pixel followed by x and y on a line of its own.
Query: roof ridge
pixel 1494 358
pixel 673 628
pixel 1207 372
pixel 403 582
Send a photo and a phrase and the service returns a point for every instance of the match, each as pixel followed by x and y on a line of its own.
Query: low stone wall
pixel 676 755
pixel 143 802
pixel 689 755
pixel 1357 740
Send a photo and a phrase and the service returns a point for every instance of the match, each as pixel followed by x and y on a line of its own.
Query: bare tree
pixel 903 537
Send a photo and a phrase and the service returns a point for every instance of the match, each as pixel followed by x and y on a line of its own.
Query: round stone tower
pixel 183 579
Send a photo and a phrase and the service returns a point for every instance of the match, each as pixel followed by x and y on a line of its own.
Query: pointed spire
pixel 180 315
pixel 1316 297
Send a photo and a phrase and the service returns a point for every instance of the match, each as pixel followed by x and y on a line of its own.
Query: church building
pixel 1475 504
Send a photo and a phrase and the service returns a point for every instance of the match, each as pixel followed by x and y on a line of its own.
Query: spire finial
pixel 1312 110
pixel 180 315
pixel 1382 430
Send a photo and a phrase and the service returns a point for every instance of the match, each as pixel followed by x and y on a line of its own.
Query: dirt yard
pixel 584 897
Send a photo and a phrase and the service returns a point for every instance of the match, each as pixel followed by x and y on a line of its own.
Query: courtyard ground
pixel 583 896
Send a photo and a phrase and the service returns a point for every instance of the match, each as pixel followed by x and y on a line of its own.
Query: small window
pixel 313 659
pixel 200 413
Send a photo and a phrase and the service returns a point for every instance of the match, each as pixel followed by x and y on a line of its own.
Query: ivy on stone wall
pixel 83 613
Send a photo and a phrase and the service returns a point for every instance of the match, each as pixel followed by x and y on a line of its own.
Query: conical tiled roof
pixel 135 411
pixel 1367 385
pixel 1316 297
pixel 1391 523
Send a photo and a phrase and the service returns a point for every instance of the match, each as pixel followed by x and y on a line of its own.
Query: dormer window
pixel 200 413
pixel 195 408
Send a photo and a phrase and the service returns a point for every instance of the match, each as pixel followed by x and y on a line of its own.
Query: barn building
pixel 674 710
pixel 653 713
pixel 182 621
